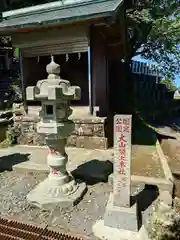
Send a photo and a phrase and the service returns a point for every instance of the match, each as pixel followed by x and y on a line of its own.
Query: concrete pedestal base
pixel 104 232
pixel 121 217
pixel 123 223
pixel 48 194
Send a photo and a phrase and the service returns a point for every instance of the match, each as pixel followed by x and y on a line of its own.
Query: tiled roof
pixel 72 12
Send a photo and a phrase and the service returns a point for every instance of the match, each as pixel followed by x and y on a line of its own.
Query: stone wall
pixel 5 120
pixel 90 132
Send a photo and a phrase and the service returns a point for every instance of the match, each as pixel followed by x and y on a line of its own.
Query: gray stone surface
pixel 166 197
pixel 101 231
pixel 85 164
pixel 87 142
pixel 125 218
pixel 48 197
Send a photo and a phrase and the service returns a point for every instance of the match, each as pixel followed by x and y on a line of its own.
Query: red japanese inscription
pixel 119 121
pixel 52 151
pixel 126 121
pixel 122 139
pixel 123 125
pixel 54 171
pixel 122 166
pixel 126 129
pixel 122 152
pixel 119 125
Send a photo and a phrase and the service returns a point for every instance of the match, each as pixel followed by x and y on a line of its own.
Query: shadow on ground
pixel 147 196
pixel 7 162
pixel 94 171
pixel 144 201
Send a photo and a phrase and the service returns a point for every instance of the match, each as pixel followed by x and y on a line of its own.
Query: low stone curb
pixel 31 167
pixel 176 172
pixel 32 146
pixel 165 165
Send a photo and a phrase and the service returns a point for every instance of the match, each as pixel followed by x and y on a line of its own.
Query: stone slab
pixel 78 156
pixel 87 142
pixel 107 233
pixel 164 163
pixel 121 217
pixel 166 197
pixel 30 166
pixel 79 159
pixel 162 184
pixel 42 196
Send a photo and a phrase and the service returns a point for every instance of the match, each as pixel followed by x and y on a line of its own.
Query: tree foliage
pixel 154 33
pixel 169 84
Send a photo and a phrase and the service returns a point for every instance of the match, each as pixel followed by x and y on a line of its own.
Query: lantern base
pixel 48 195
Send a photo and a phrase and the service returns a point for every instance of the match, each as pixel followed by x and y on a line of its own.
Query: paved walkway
pixel 145 160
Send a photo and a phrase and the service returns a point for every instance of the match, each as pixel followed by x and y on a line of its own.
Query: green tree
pixel 154 33
pixel 169 84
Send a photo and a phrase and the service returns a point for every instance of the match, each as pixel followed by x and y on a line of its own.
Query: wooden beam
pixel 55 25
pixel 23 84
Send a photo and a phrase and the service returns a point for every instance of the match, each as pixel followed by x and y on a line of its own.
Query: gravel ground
pixel 77 220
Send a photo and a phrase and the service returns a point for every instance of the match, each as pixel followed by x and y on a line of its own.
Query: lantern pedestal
pixel 48 194
pixel 59 189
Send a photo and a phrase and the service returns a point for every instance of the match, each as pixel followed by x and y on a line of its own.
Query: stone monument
pixel 122 217
pixel 59 189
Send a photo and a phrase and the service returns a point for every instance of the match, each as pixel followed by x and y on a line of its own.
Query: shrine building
pixel 88 39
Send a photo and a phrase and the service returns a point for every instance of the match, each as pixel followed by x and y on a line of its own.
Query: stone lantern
pixel 55 95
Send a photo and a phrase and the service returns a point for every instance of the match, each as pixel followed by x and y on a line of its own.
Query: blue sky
pixel 138 58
